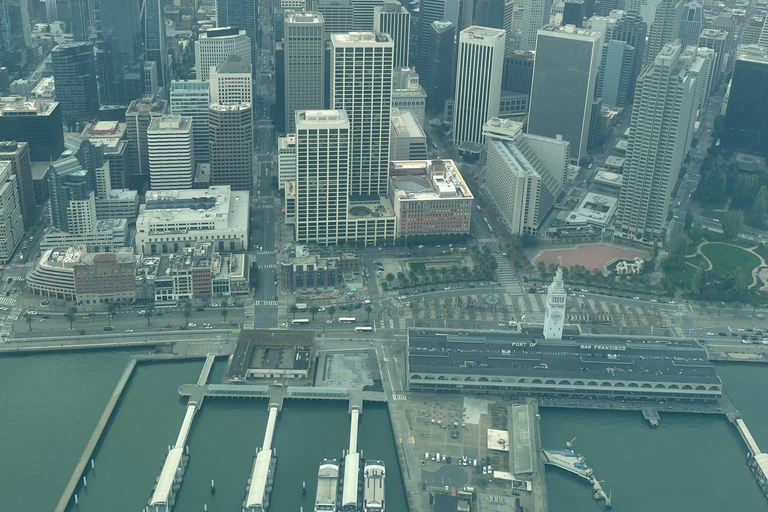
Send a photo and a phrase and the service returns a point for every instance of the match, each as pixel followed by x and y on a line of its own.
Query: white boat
pixel 373 486
pixel 327 486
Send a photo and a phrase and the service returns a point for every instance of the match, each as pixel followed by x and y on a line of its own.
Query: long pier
pixel 756 460
pixel 260 483
pixel 169 481
pixel 82 465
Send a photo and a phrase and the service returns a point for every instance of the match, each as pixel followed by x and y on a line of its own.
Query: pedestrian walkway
pixel 7 301
pixel 487 240
pixel 265 303
pixel 263 253
pixel 273 265
pixel 507 276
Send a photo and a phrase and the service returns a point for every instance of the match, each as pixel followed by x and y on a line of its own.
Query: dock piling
pixel 92 465
pixel 85 482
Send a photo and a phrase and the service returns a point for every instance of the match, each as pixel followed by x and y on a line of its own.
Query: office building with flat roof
pixel 74 70
pixel 664 28
pixel 304 63
pixel 38 122
pixel 338 16
pixel 137 119
pixel 286 159
pixel 392 18
pixel 408 94
pixel 190 98
pixel 409 142
pixel 11 220
pixel 438 78
pixel 171 158
pixel 230 130
pixel 746 118
pixel 215 45
pixel 17 153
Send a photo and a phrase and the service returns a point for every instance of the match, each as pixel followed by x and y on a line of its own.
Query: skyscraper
pixel 440 82
pixel 393 19
pixel 240 15
pixel 614 78
pixel 363 14
pixel 691 23
pixel 80 22
pixel 304 68
pixel 338 16
pixel 660 132
pixel 137 118
pixel 535 16
pixel 717 40
pixel 489 13
pixel 746 118
pixel 433 10
pixel 361 84
pixel 190 98
pixel 322 177
pixel 74 70
pixel 155 46
pixel 11 221
pixel 15 33
pixel 631 29
pixel 479 68
pixel 18 154
pixel 231 82
pixel 121 32
pixel 664 28
pixel 518 72
pixel 171 159
pixel 562 92
pixel 230 132
pixel 69 182
pixel 215 45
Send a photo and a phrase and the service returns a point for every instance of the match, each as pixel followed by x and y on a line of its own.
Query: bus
pixel 363 329
pixel 346 320
pixel 300 321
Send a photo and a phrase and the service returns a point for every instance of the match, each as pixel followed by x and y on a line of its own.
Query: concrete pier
pixel 260 483
pixel 652 415
pixel 756 460
pixel 349 492
pixel 168 483
pixel 82 464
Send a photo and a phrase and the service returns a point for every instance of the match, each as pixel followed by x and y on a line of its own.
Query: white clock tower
pixel 555 314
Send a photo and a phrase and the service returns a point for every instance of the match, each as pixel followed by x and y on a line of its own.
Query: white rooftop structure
pixel 594 209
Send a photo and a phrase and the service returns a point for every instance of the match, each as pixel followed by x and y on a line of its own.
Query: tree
pixel 253 275
pixel 732 223
pixel 293 310
pixel 111 309
pixel 28 319
pixel 71 314
pixel 149 312
pixel 390 277
pixel 676 255
pixel 313 311
pixel 331 310
pixel 369 310
pixel 187 310
pixel 224 310
pixel 688 221
pixel 755 304
pixel 736 308
pixel 696 280
pixel 759 212
pixel 400 278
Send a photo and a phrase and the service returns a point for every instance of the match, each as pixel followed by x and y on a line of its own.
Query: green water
pixel 50 403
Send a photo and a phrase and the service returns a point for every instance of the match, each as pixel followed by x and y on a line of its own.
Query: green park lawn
pixel 726 258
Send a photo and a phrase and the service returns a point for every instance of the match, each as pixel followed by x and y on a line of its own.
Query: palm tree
pixel 313 311
pixel 28 319
pixel 224 310
pixel 331 310
pixel 293 310
pixel 149 312
pixel 433 274
pixel 368 309
pixel 111 309
pixel 755 304
pixel 70 314
pixel 736 307
pixel 187 310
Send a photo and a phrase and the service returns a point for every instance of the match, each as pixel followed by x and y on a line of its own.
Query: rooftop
pixel 476 32
pixel 303 17
pixel 14 105
pixel 427 179
pixel 405 124
pixel 500 354
pixel 179 207
pixel 222 32
pixel 234 64
pixel 353 38
pixel 170 123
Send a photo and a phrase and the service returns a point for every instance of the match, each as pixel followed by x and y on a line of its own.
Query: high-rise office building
pixel 691 23
pixel 322 177
pixel 74 70
pixel 564 76
pixel 440 82
pixel 338 16
pixel 155 45
pixel 304 63
pixel 664 28
pixel 361 84
pixel 717 40
pixel 121 32
pixel 631 29
pixel 230 132
pixel 393 19
pixel 80 19
pixel 18 154
pixel 231 82
pixel 240 15
pixel 137 118
pixel 215 45
pixel 11 220
pixel 38 122
pixel 763 41
pixel 171 159
pixel 660 132
pixel 518 72
pixel 363 14
pixel 480 64
pixel 614 78
pixel 746 118
pixel 69 182
pixel 489 13
pixel 407 94
pixel 750 33
pixel 535 16
pixel 429 11
pixel 15 33
pixel 286 159
pixel 190 98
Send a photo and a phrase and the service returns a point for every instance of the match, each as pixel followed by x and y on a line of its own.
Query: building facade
pixel 286 159
pixel 479 70
pixel 11 220
pixel 17 153
pixel 215 45
pixel 304 61
pixel 38 122
pixel 190 98
pixel 407 94
pixel 231 82
pixel 660 133
pixel 392 18
pixel 171 157
pixel 230 131
pixel 138 116
pixel 564 76
pixel 439 79
pixel 535 16
pixel 691 23
pixel 746 118
pixel 74 70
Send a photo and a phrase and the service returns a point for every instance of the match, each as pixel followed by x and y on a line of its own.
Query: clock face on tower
pixel 556 316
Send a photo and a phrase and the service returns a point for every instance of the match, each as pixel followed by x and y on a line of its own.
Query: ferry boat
pixel 569 461
pixel 373 486
pixel 327 486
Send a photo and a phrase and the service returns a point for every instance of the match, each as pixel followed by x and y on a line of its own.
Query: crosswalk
pixel 265 303
pixel 486 240
pixel 7 301
pixel 399 396
pixel 267 266
pixel 507 276
pixel 264 253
